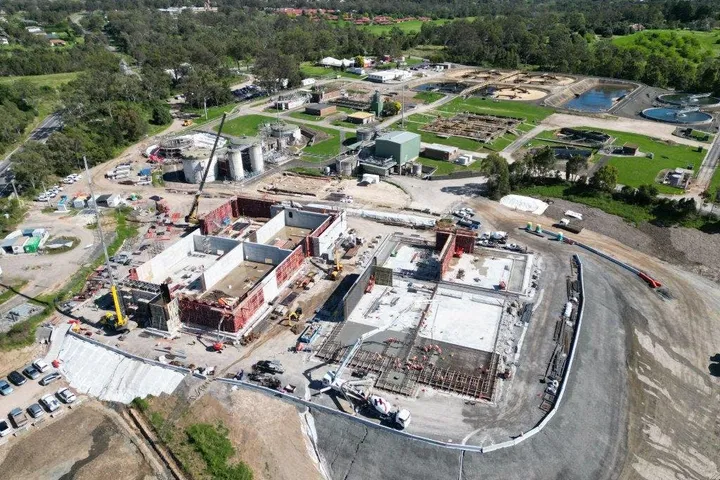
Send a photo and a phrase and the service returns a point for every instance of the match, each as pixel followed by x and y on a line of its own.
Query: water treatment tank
pixel 235 162
pixel 256 158
pixel 194 163
pixel 364 134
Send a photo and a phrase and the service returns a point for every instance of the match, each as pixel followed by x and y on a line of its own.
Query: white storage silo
pixel 256 158
pixel 237 172
pixel 194 164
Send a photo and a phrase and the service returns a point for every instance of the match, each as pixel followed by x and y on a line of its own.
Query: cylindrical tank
pixel 364 134
pixel 529 227
pixel 256 158
pixel 235 162
pixel 538 228
pixel 326 171
pixel 560 237
pixel 194 167
pixel 417 169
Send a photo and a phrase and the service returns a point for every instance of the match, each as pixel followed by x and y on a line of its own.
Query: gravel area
pixel 688 247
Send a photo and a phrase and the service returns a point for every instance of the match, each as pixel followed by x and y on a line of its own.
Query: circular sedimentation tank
pixel 690 100
pixel 677 116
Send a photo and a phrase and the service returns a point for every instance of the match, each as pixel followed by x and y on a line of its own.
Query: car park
pixel 48 379
pixel 5 428
pixel 50 403
pixel 41 198
pixel 5 388
pixel 41 365
pixel 66 395
pixel 31 372
pixel 16 378
pixel 35 410
pixel 18 417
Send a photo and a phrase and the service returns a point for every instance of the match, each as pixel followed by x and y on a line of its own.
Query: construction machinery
pixel 337 268
pixel 350 389
pixel 187 123
pixel 192 217
pixel 117 320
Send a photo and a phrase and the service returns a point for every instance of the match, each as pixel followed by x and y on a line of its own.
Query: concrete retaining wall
pixel 222 267
pixel 257 252
pixel 155 270
pixel 270 229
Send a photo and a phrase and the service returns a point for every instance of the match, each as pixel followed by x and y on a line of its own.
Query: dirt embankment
pixel 267 434
pixel 690 248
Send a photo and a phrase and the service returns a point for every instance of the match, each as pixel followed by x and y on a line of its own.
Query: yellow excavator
pixel 192 217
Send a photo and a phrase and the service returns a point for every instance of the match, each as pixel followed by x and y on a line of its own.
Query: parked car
pixel 35 410
pixel 270 366
pixel 5 388
pixel 41 365
pixel 16 379
pixel 66 395
pixel 5 428
pixel 48 379
pixel 31 372
pixel 18 417
pixel 50 403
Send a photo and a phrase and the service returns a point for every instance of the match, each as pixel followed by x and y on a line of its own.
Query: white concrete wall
pixel 270 229
pixel 215 243
pixel 256 252
pixel 310 220
pixel 329 236
pixel 222 267
pixel 156 269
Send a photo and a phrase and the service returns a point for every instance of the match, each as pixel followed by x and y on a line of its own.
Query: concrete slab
pixel 394 306
pixel 487 268
pixel 413 261
pixel 242 278
pixel 292 234
pixel 463 319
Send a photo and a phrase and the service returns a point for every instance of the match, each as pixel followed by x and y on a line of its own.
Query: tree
pixel 160 115
pixel 605 179
pixel 573 166
pixel 541 161
pixel 360 61
pixel 391 108
pixel 496 169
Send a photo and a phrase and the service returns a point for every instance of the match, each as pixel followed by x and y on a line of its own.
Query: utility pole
pixel 12 182
pixel 403 106
pixel 205 106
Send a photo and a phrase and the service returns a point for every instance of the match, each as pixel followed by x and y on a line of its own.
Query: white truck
pixel 387 411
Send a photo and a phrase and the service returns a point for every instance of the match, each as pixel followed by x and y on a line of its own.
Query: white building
pixel 334 62
pixel 384 76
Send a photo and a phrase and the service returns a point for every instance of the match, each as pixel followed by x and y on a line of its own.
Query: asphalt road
pixel 585 440
pixel 47 127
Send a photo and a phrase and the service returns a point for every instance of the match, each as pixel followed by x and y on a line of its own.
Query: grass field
pixel 244 126
pixel 444 168
pixel 306 116
pixel 673 40
pixel 213 112
pixel 53 81
pixel 501 108
pixel 636 171
pixel 412 26
pixel 429 97
pixel 714 185
pixel 308 69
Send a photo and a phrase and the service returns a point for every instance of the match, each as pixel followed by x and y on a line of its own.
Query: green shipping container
pixel 32 245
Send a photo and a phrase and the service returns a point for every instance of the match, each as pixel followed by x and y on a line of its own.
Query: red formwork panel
pixel 288 267
pixel 247 308
pixel 441 237
pixel 447 254
pixel 212 222
pixel 197 312
pixel 466 241
pixel 253 207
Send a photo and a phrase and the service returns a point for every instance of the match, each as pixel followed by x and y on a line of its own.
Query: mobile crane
pixel 117 320
pixel 192 217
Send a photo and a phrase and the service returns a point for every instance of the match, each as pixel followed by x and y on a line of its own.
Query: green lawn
pixel 429 97
pixel 306 116
pixel 308 69
pixel 444 168
pixel 502 108
pixel 314 172
pixel 714 184
pixel 245 126
pixel 213 112
pixel 53 81
pixel 636 171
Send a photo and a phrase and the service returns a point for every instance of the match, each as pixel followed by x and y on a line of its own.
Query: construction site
pixel 483 128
